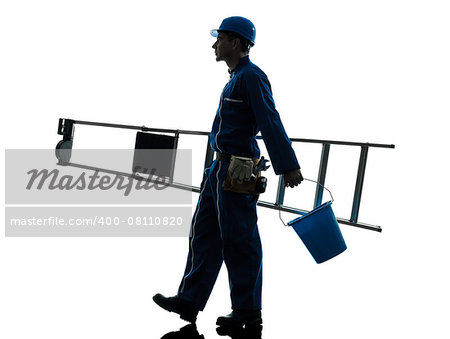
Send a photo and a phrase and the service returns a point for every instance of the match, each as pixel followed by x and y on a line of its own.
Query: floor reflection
pixel 247 332
pixel 187 332
pixel 190 332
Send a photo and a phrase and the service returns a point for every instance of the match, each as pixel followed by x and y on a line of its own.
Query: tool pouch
pixel 255 186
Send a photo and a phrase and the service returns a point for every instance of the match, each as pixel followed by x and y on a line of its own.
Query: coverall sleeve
pixel 259 97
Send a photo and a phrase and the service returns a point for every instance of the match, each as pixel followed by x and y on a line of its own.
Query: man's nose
pixel 214 46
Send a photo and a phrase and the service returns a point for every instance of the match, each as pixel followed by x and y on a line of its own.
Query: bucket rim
pixel 314 211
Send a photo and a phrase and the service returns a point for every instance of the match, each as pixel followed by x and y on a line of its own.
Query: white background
pixel 375 71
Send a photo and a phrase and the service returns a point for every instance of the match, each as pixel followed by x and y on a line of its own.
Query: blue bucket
pixel 320 233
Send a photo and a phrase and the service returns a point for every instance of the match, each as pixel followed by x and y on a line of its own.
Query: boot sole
pixel 254 331
pixel 234 323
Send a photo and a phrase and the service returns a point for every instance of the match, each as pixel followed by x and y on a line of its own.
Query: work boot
pixel 186 332
pixel 176 305
pixel 240 318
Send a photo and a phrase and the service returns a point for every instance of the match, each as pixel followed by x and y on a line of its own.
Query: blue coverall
pixel 224 225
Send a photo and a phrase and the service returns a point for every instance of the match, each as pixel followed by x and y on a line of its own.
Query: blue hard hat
pixel 239 25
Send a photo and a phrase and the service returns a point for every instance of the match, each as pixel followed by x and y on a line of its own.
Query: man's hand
pixel 292 178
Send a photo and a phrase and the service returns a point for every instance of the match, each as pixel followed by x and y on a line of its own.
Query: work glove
pixel 292 178
pixel 240 169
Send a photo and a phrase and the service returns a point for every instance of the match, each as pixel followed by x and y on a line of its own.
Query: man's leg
pixel 205 250
pixel 242 249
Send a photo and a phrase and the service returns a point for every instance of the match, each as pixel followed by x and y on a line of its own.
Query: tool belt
pixel 255 186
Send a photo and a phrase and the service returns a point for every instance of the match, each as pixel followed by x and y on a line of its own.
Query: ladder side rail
pixel 321 175
pixel 359 183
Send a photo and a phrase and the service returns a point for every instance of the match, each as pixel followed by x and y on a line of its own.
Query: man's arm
pixel 281 153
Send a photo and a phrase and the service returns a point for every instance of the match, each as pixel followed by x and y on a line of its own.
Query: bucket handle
pixel 331 195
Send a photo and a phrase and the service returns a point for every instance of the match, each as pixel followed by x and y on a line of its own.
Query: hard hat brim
pixel 215 33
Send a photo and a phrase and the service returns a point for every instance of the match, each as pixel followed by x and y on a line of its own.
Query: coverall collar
pixel 242 61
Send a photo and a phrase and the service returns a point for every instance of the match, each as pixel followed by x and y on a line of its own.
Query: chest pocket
pixel 239 101
pixel 237 113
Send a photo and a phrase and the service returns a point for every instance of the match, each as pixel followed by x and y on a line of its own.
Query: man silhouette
pixel 224 225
